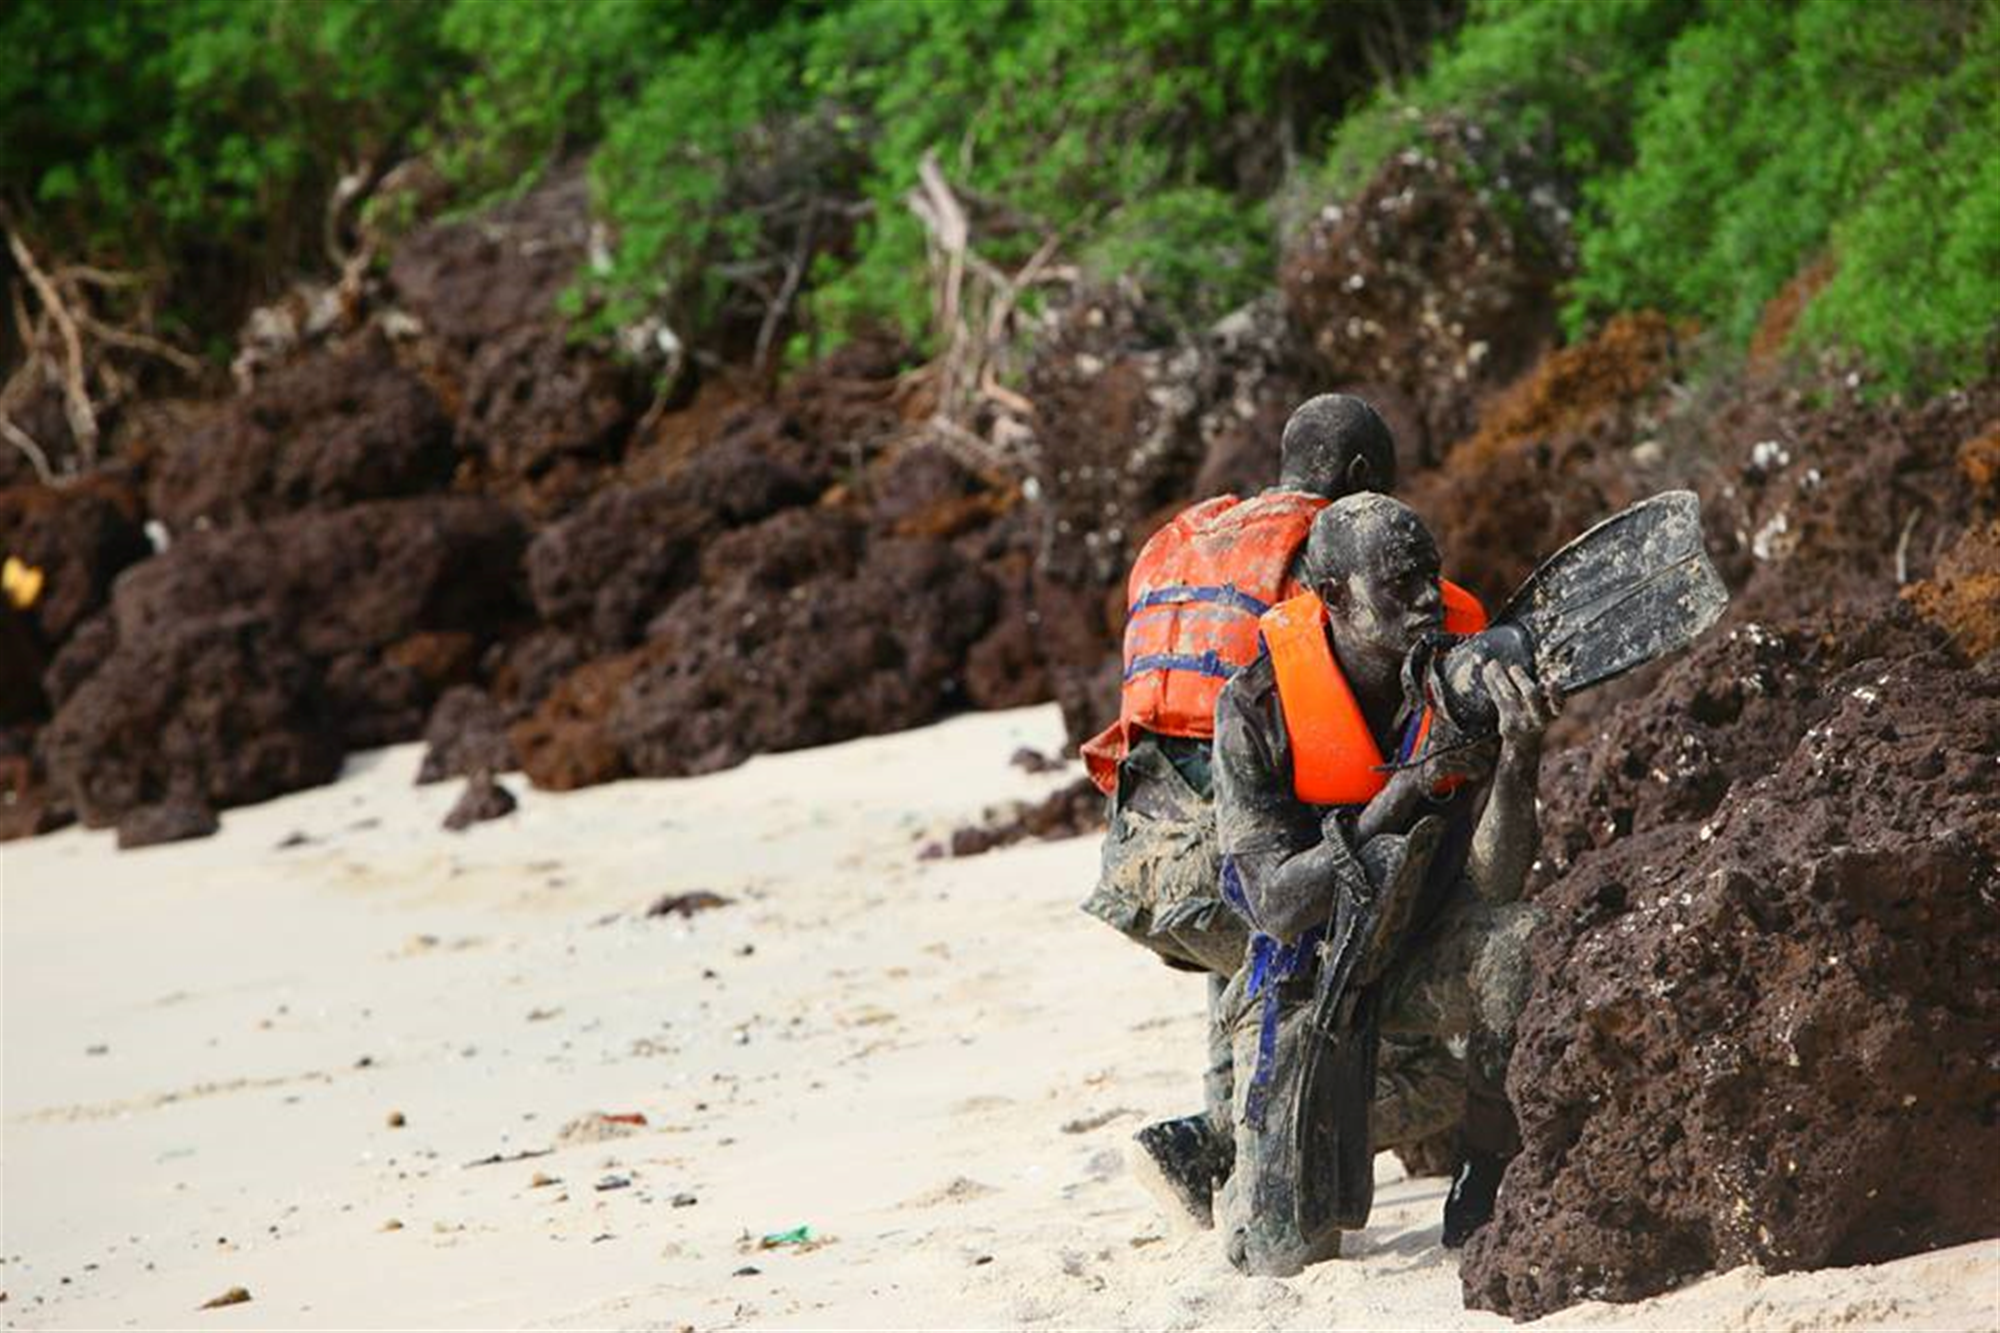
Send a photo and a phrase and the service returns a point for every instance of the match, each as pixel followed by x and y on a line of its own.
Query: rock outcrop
pixel 1764 1033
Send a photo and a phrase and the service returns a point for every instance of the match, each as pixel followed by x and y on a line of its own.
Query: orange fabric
pixel 1462 612
pixel 1193 600
pixel 1224 545
pixel 1334 758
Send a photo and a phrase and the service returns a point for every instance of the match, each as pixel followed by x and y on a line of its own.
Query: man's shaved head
pixel 1335 445
pixel 1353 534
pixel 1374 564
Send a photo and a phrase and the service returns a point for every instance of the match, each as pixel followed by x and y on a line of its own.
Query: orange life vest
pixel 1194 595
pixel 1335 760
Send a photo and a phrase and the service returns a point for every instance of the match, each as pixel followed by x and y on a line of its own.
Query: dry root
pixel 976 308
pixel 69 343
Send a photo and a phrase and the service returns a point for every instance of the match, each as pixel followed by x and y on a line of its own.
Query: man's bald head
pixel 1375 565
pixel 1351 535
pixel 1335 445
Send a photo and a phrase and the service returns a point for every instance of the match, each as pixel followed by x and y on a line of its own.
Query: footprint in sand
pixel 959 1189
pixel 981 1104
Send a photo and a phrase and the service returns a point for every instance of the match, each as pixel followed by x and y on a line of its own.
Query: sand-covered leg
pixel 1470 982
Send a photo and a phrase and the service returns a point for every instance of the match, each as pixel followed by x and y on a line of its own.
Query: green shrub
pixel 1558 76
pixel 203 135
pixel 1720 146
pixel 1197 252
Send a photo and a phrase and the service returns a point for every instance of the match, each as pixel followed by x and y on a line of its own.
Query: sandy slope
pixel 934 1065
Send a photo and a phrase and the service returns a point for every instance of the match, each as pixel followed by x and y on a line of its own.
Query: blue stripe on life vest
pixel 1228 594
pixel 1207 664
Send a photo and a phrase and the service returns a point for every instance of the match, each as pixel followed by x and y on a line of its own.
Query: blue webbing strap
pixel 1227 593
pixel 1273 963
pixel 1208 664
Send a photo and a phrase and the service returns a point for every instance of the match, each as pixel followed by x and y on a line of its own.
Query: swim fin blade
pixel 1628 591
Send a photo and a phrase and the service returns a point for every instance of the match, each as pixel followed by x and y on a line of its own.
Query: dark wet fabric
pixel 1459 973
pixel 1160 882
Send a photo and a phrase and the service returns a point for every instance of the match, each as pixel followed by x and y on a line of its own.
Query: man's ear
pixel 1332 594
pixel 1360 475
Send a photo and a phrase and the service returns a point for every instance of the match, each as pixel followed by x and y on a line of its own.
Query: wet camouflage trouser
pixel 1161 886
pixel 1161 878
pixel 1465 982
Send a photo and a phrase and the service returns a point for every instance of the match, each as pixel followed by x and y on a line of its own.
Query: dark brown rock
pixel 22 662
pixel 466 734
pixel 91 642
pixel 1719 717
pixel 525 670
pixel 1428 283
pixel 1764 1034
pixel 1553 454
pixel 1005 667
pixel 27 805
pixel 738 484
pixel 919 490
pixel 240 663
pixel 472 280
pixel 223 710
pixel 79 537
pixel 617 562
pixel 563 744
pixel 172 820
pixel 345 424
pixel 690 903
pixel 439 658
pixel 541 413
pixel 377 701
pixel 358 579
pixel 545 414
pixel 785 653
pixel 1819 494
pixel 482 799
pixel 1071 811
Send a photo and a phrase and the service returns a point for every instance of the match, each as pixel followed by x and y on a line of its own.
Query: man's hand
pixel 1525 706
pixel 1448 757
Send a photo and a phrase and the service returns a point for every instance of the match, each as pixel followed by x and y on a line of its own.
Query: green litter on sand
pixel 798 1235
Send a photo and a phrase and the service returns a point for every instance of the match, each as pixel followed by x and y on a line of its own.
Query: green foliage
pixel 1557 76
pixel 1720 146
pixel 1916 286
pixel 745 150
pixel 679 171
pixel 1198 252
pixel 1776 133
pixel 202 133
pixel 544 76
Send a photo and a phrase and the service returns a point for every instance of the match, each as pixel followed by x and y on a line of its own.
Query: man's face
pixel 1393 600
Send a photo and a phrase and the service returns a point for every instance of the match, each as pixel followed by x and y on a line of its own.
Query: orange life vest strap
pixel 1334 757
pixel 1335 760
pixel 1462 612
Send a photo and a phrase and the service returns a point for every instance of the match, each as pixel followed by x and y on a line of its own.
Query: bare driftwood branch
pixel 69 344
pixel 795 271
pixel 1903 547
pixel 973 415
pixel 96 277
pixel 139 342
pixel 76 397
pixel 25 442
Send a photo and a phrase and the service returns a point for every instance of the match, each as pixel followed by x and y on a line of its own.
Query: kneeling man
pixel 1364 839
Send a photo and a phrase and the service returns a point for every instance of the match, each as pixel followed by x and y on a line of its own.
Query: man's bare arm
pixel 1509 831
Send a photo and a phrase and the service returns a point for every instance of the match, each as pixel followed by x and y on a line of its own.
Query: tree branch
pixel 76 398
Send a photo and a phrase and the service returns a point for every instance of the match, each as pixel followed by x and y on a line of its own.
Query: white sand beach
pixel 934 1066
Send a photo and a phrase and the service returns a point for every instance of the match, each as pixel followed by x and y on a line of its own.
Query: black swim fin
pixel 1628 591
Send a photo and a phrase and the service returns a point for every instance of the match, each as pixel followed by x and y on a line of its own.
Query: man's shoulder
pixel 1253 686
pixel 1257 679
